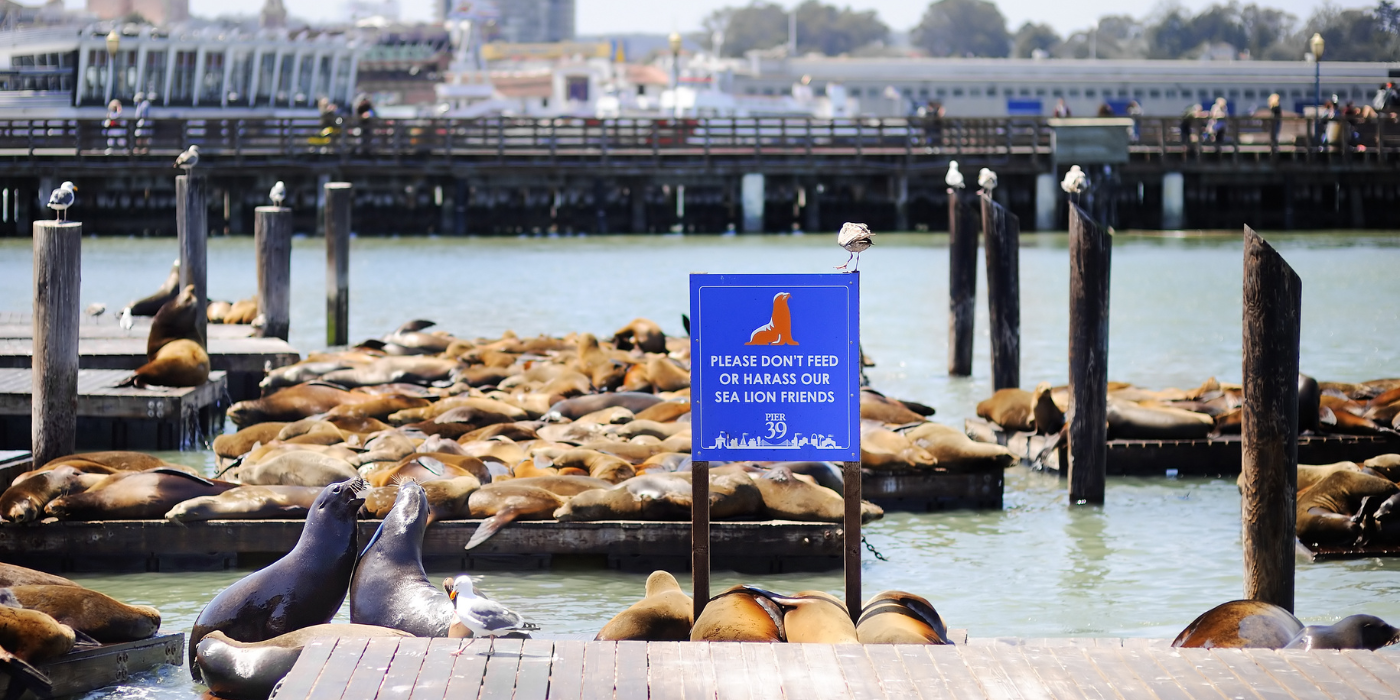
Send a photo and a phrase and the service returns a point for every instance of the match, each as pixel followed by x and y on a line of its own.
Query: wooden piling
pixel 1273 297
pixel 1001 235
pixel 962 286
pixel 272 237
pixel 700 535
pixel 192 226
pixel 1090 252
pixel 57 283
pixel 338 199
pixel 850 546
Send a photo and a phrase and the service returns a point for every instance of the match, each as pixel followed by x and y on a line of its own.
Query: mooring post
pixel 57 283
pixel 338 199
pixel 272 237
pixel 850 478
pixel 700 534
pixel 192 226
pixel 1273 299
pixel 962 286
pixel 1090 252
pixel 1001 232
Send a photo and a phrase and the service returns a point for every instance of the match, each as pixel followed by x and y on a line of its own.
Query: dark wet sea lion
pixel 303 588
pixel 24 501
pixel 249 671
pixel 664 614
pixel 174 321
pixel 1130 421
pixel 1240 624
pixel 135 496
pixel 34 636
pixel 1309 399
pixel 785 497
pixel 580 406
pixel 1326 510
pixel 896 617
pixel 1012 409
pixel 1049 419
pixel 148 306
pixel 390 588
pixel 1353 632
pixel 640 333
pixel 293 404
pixel 447 498
pixel 739 615
pixel 102 617
pixel 505 502
pixel 817 617
pixel 248 503
pixel 14 575
pixel 178 363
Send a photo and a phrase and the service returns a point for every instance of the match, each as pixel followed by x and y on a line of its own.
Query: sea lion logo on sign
pixel 778 331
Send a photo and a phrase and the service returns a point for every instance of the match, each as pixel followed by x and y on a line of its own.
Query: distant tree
pixel 833 31
pixel 135 18
pixel 1261 31
pixel 758 25
pixel 963 28
pixel 1032 37
pixel 1267 30
pixel 1356 35
pixel 1115 36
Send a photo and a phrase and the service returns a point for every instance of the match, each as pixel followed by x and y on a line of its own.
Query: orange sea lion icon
pixel 779 328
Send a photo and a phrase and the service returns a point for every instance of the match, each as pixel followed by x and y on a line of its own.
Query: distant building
pixel 273 15
pixel 359 10
pixel 524 21
pixel 158 12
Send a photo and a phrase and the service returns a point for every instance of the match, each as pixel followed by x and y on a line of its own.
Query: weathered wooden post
pixel 1273 299
pixel 1090 252
pixel 962 286
pixel 272 237
pixel 338 199
pixel 1001 234
pixel 850 543
pixel 57 283
pixel 699 535
pixel 192 225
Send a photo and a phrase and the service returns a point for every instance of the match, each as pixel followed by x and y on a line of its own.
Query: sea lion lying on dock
pixel 247 502
pixel 295 468
pixel 785 497
pixel 1013 409
pixel 134 496
pixel 500 504
pixel 24 500
pixel 896 617
pixel 293 404
pixel 447 498
pixel 100 616
pixel 15 575
pixel 250 670
pixel 1351 632
pixel 816 617
pixel 1240 624
pixel 739 614
pixel 1329 511
pixel 34 636
pixel 664 614
pixel 1130 421
pixel 175 354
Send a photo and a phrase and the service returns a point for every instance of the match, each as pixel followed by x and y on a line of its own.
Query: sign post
pixel 775 375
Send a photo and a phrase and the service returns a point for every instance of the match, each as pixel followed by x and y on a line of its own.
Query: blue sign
pixel 775 367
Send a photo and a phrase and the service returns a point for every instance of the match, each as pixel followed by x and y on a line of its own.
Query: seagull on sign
pixel 278 194
pixel 854 238
pixel 987 180
pixel 188 159
pixel 484 617
pixel 61 199
pixel 954 178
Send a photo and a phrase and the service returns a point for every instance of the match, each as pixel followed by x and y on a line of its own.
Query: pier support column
pixel 339 196
pixel 752 199
pixel 901 202
pixel 1001 236
pixel 638 197
pixel 57 283
pixel 600 205
pixel 962 285
pixel 812 213
pixel 272 238
pixel 460 199
pixel 1358 209
pixel 1090 252
pixel 192 227
pixel 1173 201
pixel 1047 200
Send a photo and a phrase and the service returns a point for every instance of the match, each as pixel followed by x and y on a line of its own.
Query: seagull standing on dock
pixel 484 617
pixel 954 178
pixel 1075 182
pixel 278 194
pixel 854 238
pixel 61 199
pixel 987 180
pixel 188 159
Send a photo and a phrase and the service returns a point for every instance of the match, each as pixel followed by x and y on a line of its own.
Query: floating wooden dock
pixel 104 344
pixel 110 664
pixel 535 669
pixel 122 418
pixel 930 489
pixel 771 546
pixel 1348 552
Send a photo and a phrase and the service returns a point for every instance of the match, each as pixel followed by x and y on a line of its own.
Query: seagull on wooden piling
pixel 954 178
pixel 188 159
pixel 1075 182
pixel 278 194
pixel 987 180
pixel 61 199
pixel 854 238
pixel 483 616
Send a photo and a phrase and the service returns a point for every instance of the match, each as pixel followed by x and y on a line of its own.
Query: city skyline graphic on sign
pixel 797 441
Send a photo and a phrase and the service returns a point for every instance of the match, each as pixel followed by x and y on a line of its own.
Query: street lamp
pixel 1317 45
pixel 675 40
pixel 114 41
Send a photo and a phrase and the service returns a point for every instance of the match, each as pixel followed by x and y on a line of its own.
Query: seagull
pixel 61 199
pixel 188 159
pixel 854 238
pixel 95 309
pixel 954 178
pixel 987 179
pixel 1075 181
pixel 278 194
pixel 126 321
pixel 484 617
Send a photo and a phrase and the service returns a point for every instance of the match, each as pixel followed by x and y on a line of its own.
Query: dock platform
pixel 82 671
pixel 1349 552
pixel 535 669
pixel 770 546
pixel 930 489
pixel 120 418
pixel 104 344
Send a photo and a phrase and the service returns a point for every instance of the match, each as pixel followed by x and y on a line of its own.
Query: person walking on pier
pixel 1276 113
pixel 112 125
pixel 1062 109
pixel 1219 116
pixel 141 137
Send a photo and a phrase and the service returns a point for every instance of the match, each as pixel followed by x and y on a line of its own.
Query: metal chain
pixel 872 549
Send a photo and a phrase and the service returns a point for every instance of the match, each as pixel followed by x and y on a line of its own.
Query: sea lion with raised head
pixel 778 330
pixel 896 617
pixel 247 503
pixel 176 320
pixel 665 614
pixel 303 588
pixel 390 588
pixel 250 670
pixel 100 616
pixel 1352 632
pixel 640 333
pixel 739 614
pixel 1240 624
pixel 134 496
pixel 1049 419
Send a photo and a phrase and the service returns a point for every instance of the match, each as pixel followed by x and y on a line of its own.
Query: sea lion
pixel 249 671
pixel 409 339
pixel 292 404
pixel 247 503
pixel 877 407
pixel 390 588
pixel 518 431
pixel 296 468
pixel 598 465
pixel 739 614
pixel 505 502
pixel 1130 421
pixel 178 363
pixel 113 460
pixel 34 636
pixel 664 614
pixel 311 431
pixel 567 486
pixel 241 312
pixel 1387 465
pixel 817 617
pixel 649 497
pixel 896 617
pixel 640 333
pixel 216 310
pixel 176 320
pixel 412 369
pixel 666 374
pixel 580 406
pixel 240 443
pixel 429 467
pixel 1012 409
pixel 14 575
pixel 1239 624
pixel 1310 474
pixel 882 449
pixel 24 501
pixel 148 306
pixel 102 617
pixel 1309 399
pixel 1327 511
pixel 304 371
pixel 1346 418
pixel 664 412
pixel 447 498
pixel 134 496
pixel 953 450
pixel 1352 632
pixel 778 330
pixel 1049 419
pixel 785 497
pixel 303 588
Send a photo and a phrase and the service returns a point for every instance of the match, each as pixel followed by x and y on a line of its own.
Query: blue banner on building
pixel 775 367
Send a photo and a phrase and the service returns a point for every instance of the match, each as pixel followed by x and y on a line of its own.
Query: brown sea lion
pixel 640 333
pixel 241 312
pixel 240 443
pixel 1387 465
pixel 247 503
pixel 447 498
pixel 650 497
pixel 34 636
pixel 664 412
pixel 24 501
pixel 102 617
pixel 886 450
pixel 311 431
pixel 739 614
pixel 502 503
pixel 410 339
pixel 877 407
pixel 953 450
pixel 377 407
pixel 785 497
pixel 664 614
pixel 567 486
pixel 817 617
pixel 14 575
pixel 896 617
pixel 249 671
pixel 580 406
pixel 293 404
pixel 424 467
pixel 1351 632
pixel 1049 419
pixel 518 432
pixel 410 369
pixel 134 496
pixel 176 320
pixel 115 460
pixel 1326 510
pixel 296 468
pixel 1346 418
pixel 1240 624
pixel 1310 474
pixel 665 374
pixel 1130 421
pixel 178 363
pixel 1012 409
pixel 598 465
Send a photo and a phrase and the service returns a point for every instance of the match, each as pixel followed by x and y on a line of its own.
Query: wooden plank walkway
pixel 110 664
pixel 112 417
pixel 1014 669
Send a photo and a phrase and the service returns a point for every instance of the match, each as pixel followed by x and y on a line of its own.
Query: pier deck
pixel 89 669
pixel 112 417
pixel 424 669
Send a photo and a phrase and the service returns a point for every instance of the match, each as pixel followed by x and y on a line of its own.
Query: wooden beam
pixel 339 197
pixel 700 534
pixel 1090 253
pixel 192 227
pixel 272 236
pixel 1001 236
pixel 962 286
pixel 53 407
